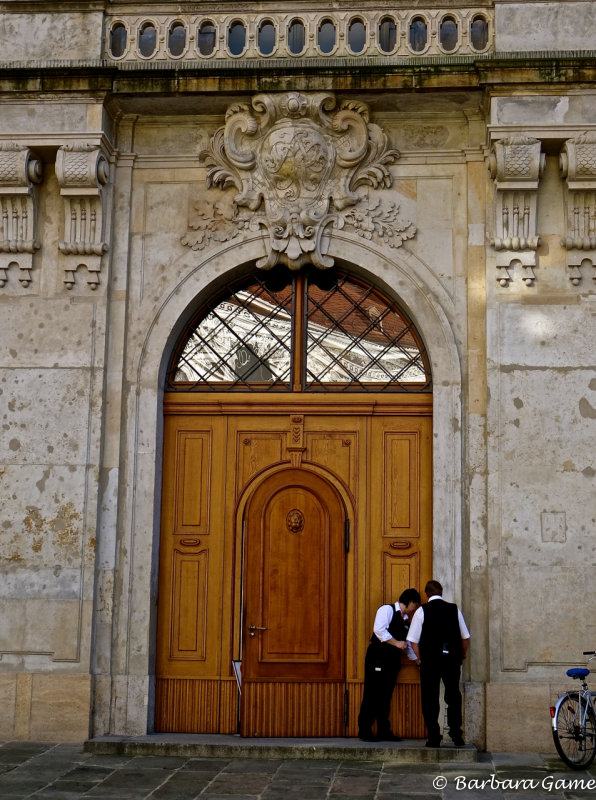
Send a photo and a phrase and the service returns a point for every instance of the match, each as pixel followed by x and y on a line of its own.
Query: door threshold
pixel 233 746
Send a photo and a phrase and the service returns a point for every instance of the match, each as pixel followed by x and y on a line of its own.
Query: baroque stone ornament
pixel 82 171
pixel 516 165
pixel 20 171
pixel 578 166
pixel 297 164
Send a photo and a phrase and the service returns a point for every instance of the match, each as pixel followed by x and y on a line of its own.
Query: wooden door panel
pixel 188 662
pixel 401 470
pixel 257 450
pixel 191 497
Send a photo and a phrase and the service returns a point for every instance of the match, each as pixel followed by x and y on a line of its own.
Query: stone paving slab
pixel 36 771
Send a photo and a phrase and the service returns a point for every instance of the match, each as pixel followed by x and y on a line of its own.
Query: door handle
pixel 253 628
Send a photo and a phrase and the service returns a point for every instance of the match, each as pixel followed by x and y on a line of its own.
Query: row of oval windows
pixel 296 36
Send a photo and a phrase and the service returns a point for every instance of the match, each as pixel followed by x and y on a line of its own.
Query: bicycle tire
pixel 576 747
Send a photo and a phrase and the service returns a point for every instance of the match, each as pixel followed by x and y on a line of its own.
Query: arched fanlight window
pixel 448 34
pixel 147 39
pixel 418 34
pixel 118 38
pixel 206 38
pixel 177 39
pixel 387 34
pixel 311 331
pixel 326 36
pixel 479 33
pixel 356 35
pixel 296 37
pixel 236 38
pixel 266 38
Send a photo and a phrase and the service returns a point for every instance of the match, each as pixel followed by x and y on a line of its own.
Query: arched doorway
pixel 321 378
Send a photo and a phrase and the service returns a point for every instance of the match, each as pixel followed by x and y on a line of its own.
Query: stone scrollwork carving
pixel 297 164
pixel 516 165
pixel 82 171
pixel 20 171
pixel 578 166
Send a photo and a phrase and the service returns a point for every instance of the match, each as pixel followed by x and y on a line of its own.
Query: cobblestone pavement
pixel 66 772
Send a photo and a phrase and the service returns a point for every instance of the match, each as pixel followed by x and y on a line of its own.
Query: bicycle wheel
pixel 575 744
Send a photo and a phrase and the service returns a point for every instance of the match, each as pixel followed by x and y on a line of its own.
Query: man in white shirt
pixel 382 664
pixel 440 639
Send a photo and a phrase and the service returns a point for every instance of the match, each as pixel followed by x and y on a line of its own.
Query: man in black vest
pixel 440 639
pixel 381 665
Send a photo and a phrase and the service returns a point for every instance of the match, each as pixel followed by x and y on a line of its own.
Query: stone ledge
pixel 219 746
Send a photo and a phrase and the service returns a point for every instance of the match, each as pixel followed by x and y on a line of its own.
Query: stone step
pixel 216 746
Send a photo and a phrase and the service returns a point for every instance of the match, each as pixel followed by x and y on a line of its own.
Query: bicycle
pixel 574 721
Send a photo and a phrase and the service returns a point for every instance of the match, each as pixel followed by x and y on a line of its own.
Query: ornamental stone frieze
pixel 20 171
pixel 516 165
pixel 296 166
pixel 82 171
pixel 578 168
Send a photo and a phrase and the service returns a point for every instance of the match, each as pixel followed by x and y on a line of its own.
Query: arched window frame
pixel 200 24
pixel 171 26
pixel 457 23
pixel 357 18
pixel 411 20
pixel 320 23
pixel 395 21
pixel 115 24
pixel 140 29
pixel 229 26
pixel 317 331
pixel 259 23
pixel 486 20
pixel 304 24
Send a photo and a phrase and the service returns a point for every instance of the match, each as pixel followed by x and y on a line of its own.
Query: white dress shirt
pixel 383 620
pixel 415 631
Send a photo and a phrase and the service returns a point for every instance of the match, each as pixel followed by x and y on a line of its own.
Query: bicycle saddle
pixel 578 672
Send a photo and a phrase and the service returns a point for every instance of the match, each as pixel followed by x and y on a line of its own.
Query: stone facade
pixel 464 185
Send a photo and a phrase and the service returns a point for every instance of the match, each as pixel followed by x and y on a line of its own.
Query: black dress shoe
pixel 367 737
pixel 458 741
pixel 434 742
pixel 388 737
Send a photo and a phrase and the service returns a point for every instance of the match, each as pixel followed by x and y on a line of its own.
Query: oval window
pixel 448 35
pixel 356 36
pixel 326 36
pixel 418 34
pixel 387 35
pixel 479 33
pixel 177 39
pixel 236 38
pixel 267 38
pixel 118 37
pixel 206 38
pixel 147 39
pixel 296 37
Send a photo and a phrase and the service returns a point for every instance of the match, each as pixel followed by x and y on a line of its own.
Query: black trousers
pixel 381 666
pixel 431 675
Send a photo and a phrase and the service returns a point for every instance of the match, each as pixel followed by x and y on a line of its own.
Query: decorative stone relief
pixel 20 171
pixel 300 166
pixel 515 165
pixel 82 171
pixel 578 166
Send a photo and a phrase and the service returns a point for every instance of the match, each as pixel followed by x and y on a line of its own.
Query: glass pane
pixel 387 35
pixel 448 34
pixel 357 36
pixel 296 37
pixel 236 38
pixel 355 336
pixel 244 341
pixel 206 38
pixel 267 38
pixel 177 39
pixel 418 35
pixel 147 40
pixel 479 33
pixel 326 37
pixel 118 40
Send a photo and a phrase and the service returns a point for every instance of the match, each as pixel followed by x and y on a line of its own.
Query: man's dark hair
pixel 409 596
pixel 432 588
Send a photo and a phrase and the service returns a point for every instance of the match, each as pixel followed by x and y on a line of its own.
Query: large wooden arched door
pixel 293 632
pixel 293 401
